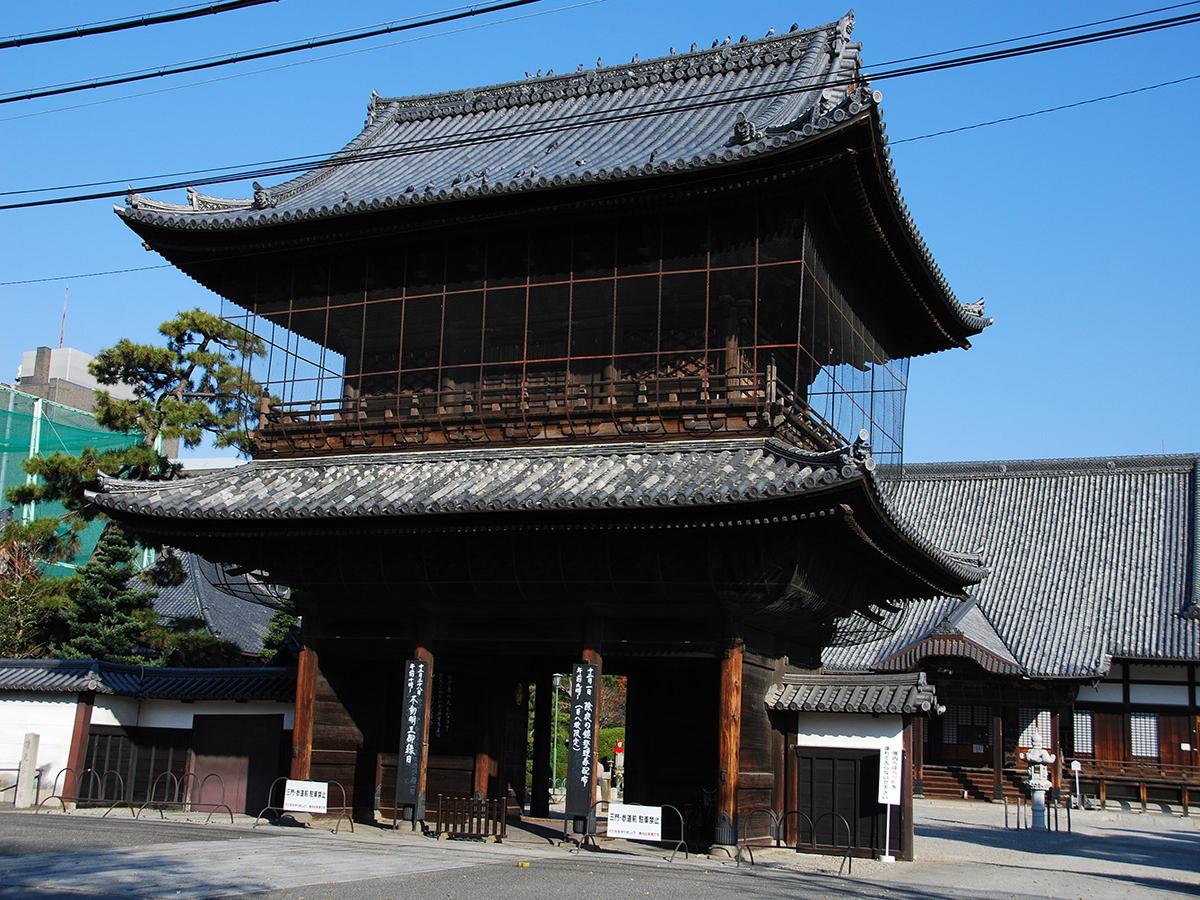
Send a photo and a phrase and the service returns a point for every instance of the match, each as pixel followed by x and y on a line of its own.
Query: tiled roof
pixel 732 474
pixel 1089 559
pixel 701 110
pixel 223 614
pixel 903 694
pixel 148 682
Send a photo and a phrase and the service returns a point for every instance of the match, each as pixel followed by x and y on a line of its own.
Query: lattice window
pixel 1084 741
pixel 1143 734
pixel 1035 727
pixel 966 725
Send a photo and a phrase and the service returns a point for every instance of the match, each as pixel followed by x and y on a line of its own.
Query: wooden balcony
pixel 533 411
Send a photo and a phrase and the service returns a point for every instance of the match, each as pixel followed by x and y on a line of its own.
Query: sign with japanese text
pixel 641 823
pixel 306 796
pixel 581 749
pixel 412 734
pixel 889 776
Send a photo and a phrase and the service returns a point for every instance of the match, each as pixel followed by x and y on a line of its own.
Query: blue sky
pixel 1078 227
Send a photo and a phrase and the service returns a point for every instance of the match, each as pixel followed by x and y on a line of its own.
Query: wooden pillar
pixel 73 782
pixel 543 710
pixel 1056 748
pixel 918 755
pixel 729 738
pixel 485 728
pixel 903 841
pixel 591 655
pixel 302 724
pixel 997 753
pixel 423 652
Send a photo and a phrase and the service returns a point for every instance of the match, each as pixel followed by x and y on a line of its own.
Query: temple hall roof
pixel 1089 560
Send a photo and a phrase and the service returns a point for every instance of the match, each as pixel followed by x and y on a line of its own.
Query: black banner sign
pixel 412 732
pixel 581 752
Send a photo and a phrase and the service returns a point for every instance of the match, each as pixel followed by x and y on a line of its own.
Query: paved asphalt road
pixel 962 852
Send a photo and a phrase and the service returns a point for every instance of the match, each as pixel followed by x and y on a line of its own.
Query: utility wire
pixel 575 121
pixel 108 26
pixel 918 137
pixel 305 62
pixel 311 44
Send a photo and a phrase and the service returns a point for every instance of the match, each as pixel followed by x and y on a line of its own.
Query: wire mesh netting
pixel 30 426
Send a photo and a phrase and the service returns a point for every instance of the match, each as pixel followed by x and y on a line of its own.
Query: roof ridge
pixel 718 52
pixel 1079 465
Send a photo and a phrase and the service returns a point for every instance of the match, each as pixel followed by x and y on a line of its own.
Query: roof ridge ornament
pixel 263 198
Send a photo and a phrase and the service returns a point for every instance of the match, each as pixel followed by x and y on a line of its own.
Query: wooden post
pixel 485 719
pixel 423 652
pixel 997 753
pixel 591 656
pixel 729 738
pixel 903 837
pixel 302 725
pixel 73 783
pixel 918 755
pixel 539 797
pixel 1056 749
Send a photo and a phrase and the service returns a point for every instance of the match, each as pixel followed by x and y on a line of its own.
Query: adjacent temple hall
pixel 586 368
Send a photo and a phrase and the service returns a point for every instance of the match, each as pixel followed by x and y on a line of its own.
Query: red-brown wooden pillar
pixel 73 781
pixel 591 655
pixel 302 723
pixel 484 737
pixel 423 652
pixel 1056 748
pixel 729 738
pixel 918 755
pixel 997 753
pixel 539 797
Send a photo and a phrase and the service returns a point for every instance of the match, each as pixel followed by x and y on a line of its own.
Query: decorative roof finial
pixel 694 48
pixel 635 58
pixel 579 68
pixel 599 62
pixel 770 31
pixel 794 28
pixel 262 197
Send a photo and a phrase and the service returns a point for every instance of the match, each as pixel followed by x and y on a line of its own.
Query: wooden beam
pixel 539 797
pixel 77 753
pixel 729 739
pixel 997 753
pixel 302 725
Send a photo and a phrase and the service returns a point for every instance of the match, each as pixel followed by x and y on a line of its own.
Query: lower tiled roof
pixel 903 694
pixel 223 614
pixel 148 682
pixel 1089 560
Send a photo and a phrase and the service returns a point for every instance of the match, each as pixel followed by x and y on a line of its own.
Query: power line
pixel 311 44
pixel 305 62
pixel 289 165
pixel 108 26
pixel 919 137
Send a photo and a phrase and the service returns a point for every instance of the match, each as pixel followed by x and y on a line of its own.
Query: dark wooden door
pixel 1174 733
pixel 244 752
pixel 1108 736
pixel 837 784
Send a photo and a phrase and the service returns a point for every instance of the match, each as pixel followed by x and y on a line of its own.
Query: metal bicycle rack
pixel 342 812
pixel 182 798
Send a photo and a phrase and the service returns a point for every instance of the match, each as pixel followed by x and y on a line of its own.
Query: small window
pixel 1035 727
pixel 1083 742
pixel 1143 734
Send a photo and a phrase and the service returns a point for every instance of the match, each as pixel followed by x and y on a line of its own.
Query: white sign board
pixel 306 796
pixel 642 823
pixel 889 776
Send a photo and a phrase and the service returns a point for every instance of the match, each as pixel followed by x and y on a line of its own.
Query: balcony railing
pixel 547 410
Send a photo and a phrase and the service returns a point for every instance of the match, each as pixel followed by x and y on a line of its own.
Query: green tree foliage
pixel 109 610
pixel 30 605
pixel 276 648
pixel 197 385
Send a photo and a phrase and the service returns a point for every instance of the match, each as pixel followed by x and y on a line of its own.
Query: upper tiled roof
pixel 705 109
pixel 1089 559
pixel 148 682
pixel 903 694
pixel 732 474
pixel 224 615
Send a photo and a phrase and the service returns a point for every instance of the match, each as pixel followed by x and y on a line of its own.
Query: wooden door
pixel 244 752
pixel 1108 736
pixel 1175 733
pixel 837 785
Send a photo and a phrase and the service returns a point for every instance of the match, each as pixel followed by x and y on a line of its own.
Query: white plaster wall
pixel 177 714
pixel 854 731
pixel 51 717
pixel 1161 694
pixel 1105 692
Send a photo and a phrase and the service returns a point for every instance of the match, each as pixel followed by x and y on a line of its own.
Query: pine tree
pixel 110 611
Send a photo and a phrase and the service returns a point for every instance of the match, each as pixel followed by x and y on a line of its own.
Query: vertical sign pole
pixel 581 755
pixel 887 836
pixel 890 762
pixel 410 764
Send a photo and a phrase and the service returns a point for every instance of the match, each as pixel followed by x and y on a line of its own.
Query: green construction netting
pixel 57 428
